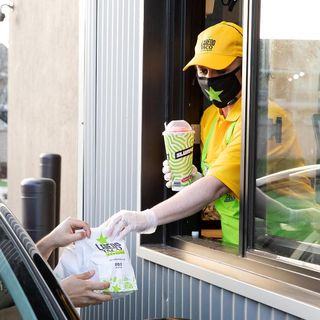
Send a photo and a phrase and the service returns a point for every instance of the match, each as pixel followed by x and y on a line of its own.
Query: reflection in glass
pixel 288 148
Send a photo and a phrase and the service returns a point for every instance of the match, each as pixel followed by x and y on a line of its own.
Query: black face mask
pixel 222 90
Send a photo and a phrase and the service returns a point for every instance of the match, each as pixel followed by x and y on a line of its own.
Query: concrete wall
pixel 43 94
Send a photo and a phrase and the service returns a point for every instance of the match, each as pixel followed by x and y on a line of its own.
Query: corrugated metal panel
pixel 111 156
pixel 89 109
pixel 111 123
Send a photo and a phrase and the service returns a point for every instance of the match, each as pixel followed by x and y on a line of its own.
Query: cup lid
pixel 178 126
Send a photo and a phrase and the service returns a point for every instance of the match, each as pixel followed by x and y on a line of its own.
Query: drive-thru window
pixel 280 206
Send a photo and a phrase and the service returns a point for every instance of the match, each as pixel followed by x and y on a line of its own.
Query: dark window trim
pixel 249 116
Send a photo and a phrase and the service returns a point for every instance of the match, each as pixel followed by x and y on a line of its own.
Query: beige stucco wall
pixel 43 95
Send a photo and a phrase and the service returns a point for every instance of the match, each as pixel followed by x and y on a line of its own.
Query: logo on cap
pixel 207 45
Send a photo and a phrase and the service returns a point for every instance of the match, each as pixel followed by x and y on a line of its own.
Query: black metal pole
pixel 50 167
pixel 38 208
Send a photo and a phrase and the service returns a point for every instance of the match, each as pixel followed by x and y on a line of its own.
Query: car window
pixel 13 300
pixel 28 286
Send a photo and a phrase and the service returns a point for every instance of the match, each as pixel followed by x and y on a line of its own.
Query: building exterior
pixel 43 95
pixel 130 58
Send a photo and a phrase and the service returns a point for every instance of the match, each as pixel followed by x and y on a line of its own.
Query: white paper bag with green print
pixel 179 140
pixel 110 260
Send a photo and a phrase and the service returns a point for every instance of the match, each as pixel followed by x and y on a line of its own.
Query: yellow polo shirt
pixel 223 157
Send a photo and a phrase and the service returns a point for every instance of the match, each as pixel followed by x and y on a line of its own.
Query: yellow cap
pixel 217 46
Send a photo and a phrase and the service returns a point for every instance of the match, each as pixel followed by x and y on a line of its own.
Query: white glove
pixel 166 170
pixel 123 222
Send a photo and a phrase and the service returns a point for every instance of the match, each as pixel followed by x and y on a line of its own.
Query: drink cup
pixel 179 140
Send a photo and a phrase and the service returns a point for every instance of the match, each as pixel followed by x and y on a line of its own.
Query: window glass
pixel 287 217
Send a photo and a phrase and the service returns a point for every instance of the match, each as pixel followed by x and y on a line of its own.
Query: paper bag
pixel 110 260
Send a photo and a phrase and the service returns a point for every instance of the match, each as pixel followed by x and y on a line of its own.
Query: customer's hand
pixel 66 232
pixel 81 290
pixel 166 170
pixel 123 222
